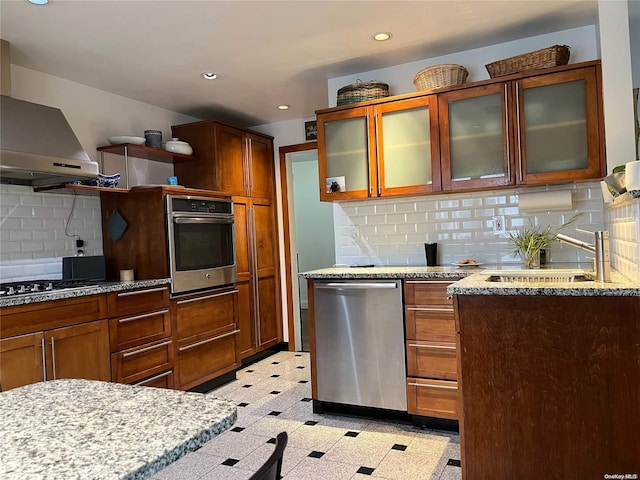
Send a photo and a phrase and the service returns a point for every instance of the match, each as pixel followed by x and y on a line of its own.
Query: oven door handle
pixel 203 220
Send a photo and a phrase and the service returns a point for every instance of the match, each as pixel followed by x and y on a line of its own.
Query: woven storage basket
pixel 438 76
pixel 544 58
pixel 362 91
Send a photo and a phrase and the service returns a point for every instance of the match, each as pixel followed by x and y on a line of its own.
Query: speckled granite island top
pixel 84 429
pixel 479 284
pixel 98 288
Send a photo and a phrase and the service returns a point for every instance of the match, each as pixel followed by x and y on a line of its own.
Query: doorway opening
pixel 309 238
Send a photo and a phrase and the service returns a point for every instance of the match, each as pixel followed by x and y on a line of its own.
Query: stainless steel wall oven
pixel 201 242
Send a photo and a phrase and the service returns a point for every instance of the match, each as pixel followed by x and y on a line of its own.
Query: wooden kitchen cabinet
pixel 556 375
pixel 228 159
pixel 531 128
pixel 258 285
pixel 205 328
pixel 432 388
pixel 141 336
pixel 382 149
pixel 56 339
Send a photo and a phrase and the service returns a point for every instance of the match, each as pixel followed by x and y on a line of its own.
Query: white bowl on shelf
pixel 117 140
pixel 177 146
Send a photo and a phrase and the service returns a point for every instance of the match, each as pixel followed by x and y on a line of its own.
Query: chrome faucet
pixel 600 249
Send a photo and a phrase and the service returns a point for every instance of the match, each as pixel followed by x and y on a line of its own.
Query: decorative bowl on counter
pixel 126 139
pixel 176 146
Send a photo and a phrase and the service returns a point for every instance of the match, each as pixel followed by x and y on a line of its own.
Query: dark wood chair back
pixel 273 466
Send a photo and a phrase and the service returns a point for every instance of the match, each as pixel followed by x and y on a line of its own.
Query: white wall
pixel 32 225
pixel 313 223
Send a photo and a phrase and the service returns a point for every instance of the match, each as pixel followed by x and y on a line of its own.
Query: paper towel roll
pixel 545 201
pixel 632 175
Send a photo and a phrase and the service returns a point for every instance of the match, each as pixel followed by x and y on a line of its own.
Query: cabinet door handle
pixel 375 127
pixel 157 377
pixel 141 292
pixel 443 387
pixel 518 131
pixel 44 361
pixel 146 349
pixel 146 315
pixel 506 123
pixel 208 340
pixel 428 309
pixel 433 347
pixel 256 293
pixel 53 357
pixel 207 297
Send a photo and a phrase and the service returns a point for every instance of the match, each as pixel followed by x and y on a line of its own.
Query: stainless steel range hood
pixel 37 145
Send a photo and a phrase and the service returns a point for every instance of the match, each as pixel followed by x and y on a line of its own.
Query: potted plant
pixel 528 242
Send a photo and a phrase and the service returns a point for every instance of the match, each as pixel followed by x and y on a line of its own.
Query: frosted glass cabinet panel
pixel 474 137
pixel 344 160
pixel 558 126
pixel 408 152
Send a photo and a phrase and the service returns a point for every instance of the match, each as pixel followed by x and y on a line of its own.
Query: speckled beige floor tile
pixel 316 437
pixel 428 442
pixel 451 473
pixel 231 444
pixel 362 476
pixel 399 465
pixel 344 421
pixel 319 469
pixel 224 472
pixel 269 426
pixel 292 457
pixel 191 466
pixel 358 451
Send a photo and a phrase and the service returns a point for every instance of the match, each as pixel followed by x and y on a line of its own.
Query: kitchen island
pixel 84 429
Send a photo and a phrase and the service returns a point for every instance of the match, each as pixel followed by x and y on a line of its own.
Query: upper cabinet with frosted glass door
pixel 380 149
pixel 558 127
pixel 475 137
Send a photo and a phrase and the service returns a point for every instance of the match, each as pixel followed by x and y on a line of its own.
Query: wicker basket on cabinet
pixel 362 91
pixel 544 58
pixel 438 76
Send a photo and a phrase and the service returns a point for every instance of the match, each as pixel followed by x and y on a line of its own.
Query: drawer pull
pixel 146 315
pixel 142 350
pixel 443 387
pixel 425 309
pixel 197 299
pixel 157 377
pixel 435 347
pixel 44 361
pixel 141 292
pixel 208 340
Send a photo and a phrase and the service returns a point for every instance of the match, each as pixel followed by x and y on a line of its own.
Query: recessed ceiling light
pixel 283 107
pixel 209 75
pixel 39 2
pixel 382 36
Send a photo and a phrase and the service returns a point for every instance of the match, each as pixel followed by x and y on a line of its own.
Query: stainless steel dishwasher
pixel 359 338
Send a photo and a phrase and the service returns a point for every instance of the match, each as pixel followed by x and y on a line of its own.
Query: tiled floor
pixel 273 395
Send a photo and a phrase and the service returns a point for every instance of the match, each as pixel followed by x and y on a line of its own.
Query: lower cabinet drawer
pixel 162 380
pixel 130 331
pixel 432 360
pixel 432 398
pixel 134 364
pixel 430 323
pixel 206 359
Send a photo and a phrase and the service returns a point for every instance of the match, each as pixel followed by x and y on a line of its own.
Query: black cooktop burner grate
pixel 41 286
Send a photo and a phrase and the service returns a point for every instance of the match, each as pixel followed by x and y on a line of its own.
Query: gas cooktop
pixel 41 286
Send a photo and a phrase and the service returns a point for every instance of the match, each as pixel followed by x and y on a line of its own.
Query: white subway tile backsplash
pixel 463 225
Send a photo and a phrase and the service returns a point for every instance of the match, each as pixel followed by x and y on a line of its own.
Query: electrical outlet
pixel 498 225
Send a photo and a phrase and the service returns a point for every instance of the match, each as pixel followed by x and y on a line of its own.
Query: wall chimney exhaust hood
pixel 37 145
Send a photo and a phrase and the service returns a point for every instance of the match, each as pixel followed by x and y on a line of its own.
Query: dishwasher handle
pixel 356 286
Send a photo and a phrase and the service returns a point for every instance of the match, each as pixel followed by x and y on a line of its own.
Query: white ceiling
pixel 266 52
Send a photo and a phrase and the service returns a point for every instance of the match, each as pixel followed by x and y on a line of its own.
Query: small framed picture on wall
pixel 310 131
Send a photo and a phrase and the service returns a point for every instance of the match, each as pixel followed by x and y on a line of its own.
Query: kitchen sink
pixel 540 276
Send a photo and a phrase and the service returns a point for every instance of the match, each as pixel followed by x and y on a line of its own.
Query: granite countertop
pixel 477 284
pixel 389 272
pixel 473 280
pixel 85 429
pixel 98 288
